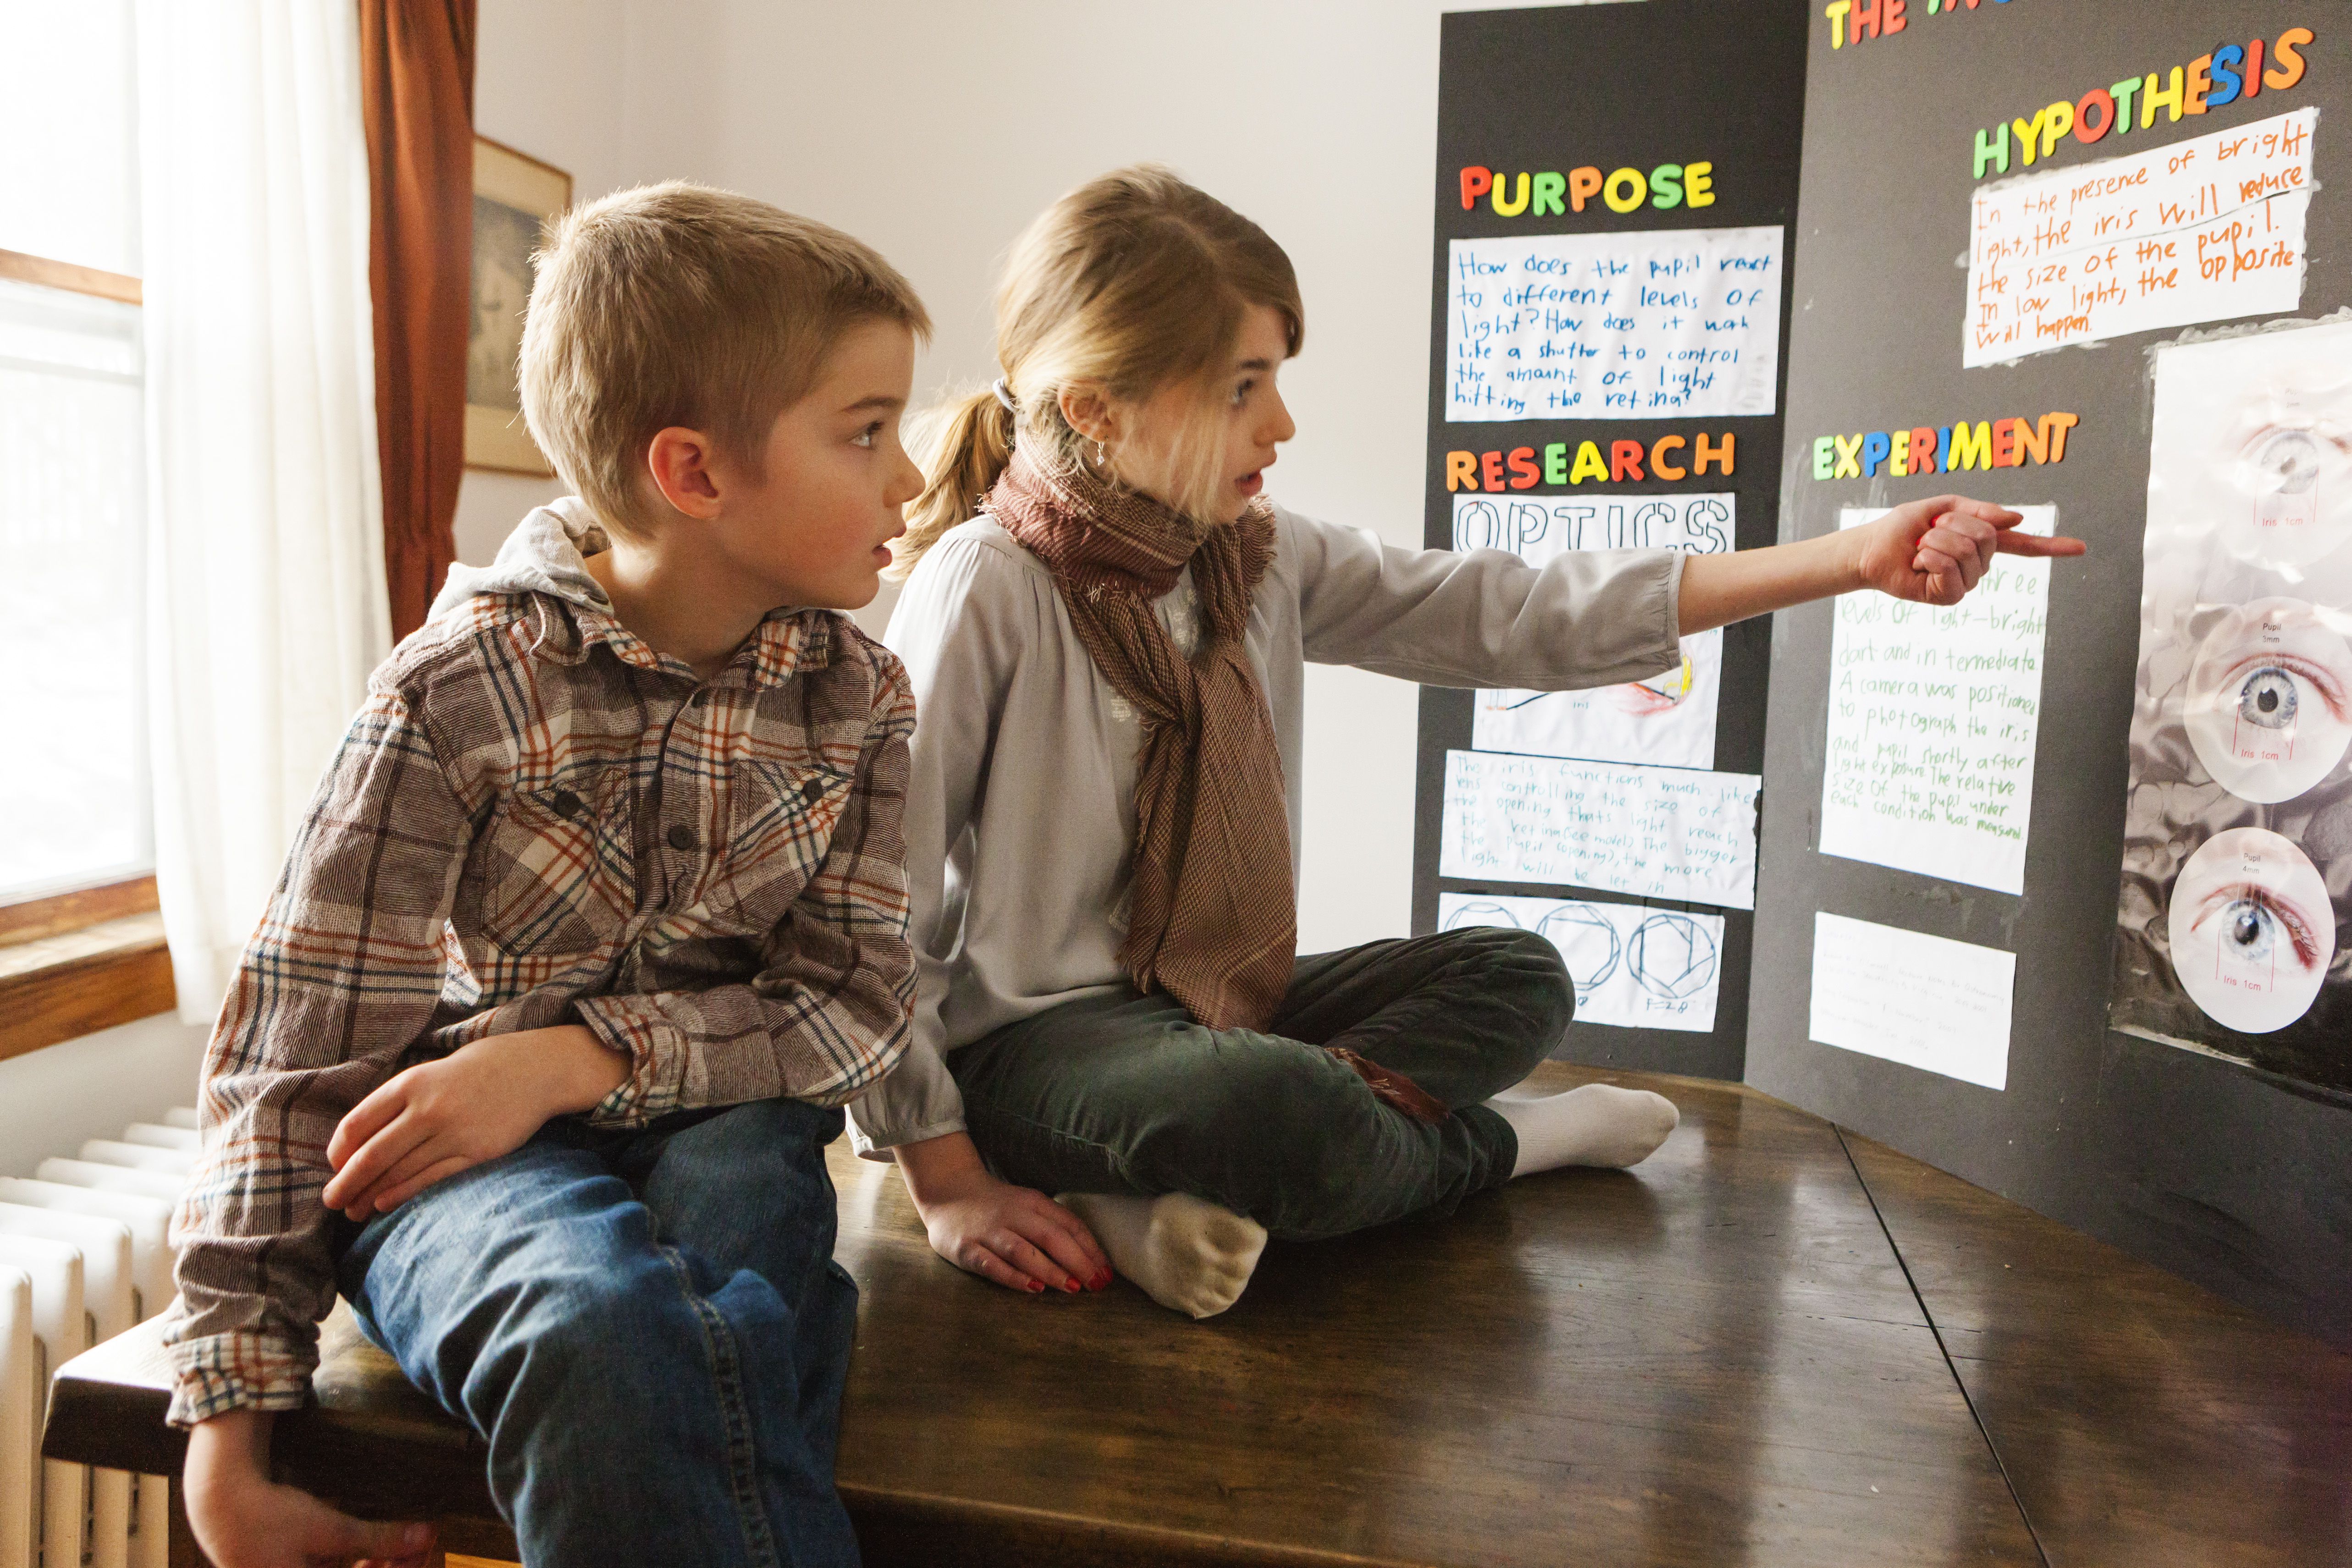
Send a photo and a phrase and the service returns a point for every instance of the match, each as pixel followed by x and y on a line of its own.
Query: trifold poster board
pixel 2057 899
pixel 1614 195
pixel 2052 889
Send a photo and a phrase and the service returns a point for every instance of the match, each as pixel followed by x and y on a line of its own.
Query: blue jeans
pixel 648 1328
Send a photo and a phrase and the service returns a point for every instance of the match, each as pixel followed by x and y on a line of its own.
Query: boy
pixel 597 918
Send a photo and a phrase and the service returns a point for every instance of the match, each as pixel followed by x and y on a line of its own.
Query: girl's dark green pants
pixel 1125 1093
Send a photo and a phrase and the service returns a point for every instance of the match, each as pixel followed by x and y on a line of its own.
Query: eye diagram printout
pixel 2201 230
pixel 1668 721
pixel 1680 323
pixel 1925 1000
pixel 1933 718
pixel 1635 967
pixel 2235 854
pixel 1657 833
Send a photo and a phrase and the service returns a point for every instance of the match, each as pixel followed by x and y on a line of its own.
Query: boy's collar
pixel 546 557
pixel 788 641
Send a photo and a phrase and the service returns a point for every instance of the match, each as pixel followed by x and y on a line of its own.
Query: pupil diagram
pixel 2268 698
pixel 2292 458
pixel 2250 929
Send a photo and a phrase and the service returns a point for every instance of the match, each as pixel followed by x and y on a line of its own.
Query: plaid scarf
pixel 1212 913
pixel 1213 918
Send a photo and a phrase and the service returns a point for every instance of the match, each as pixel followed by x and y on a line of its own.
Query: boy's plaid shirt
pixel 536 819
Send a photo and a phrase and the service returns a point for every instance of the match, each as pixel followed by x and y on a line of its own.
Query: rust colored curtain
pixel 416 83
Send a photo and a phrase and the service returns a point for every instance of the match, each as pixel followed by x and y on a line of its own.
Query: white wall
pixel 549 79
pixel 52 1100
pixel 936 129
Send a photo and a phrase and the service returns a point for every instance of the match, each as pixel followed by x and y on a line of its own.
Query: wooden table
pixel 1719 1358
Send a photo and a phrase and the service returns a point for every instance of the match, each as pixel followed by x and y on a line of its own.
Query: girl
pixel 1107 623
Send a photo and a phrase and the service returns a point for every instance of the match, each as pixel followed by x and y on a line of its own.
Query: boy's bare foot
pixel 1596 1124
pixel 1187 1254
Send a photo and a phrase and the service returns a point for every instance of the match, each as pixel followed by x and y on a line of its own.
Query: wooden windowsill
pixel 74 983
pixel 49 274
pixel 60 912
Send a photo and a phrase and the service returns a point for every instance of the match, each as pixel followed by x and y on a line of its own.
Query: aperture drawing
pixel 1633 965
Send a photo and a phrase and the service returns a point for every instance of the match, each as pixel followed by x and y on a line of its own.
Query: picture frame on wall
pixel 515 194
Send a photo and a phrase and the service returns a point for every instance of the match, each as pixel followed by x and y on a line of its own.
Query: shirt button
pixel 681 836
pixel 812 791
pixel 566 803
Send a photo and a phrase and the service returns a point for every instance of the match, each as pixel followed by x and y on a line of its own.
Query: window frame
pixel 89 958
pixel 70 277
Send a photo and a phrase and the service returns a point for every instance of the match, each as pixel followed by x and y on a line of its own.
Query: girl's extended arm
pixel 1931 552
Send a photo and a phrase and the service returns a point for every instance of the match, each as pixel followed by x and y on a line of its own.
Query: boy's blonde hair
pixel 678 304
pixel 1131 283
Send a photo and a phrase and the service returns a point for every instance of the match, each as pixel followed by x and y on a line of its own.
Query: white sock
pixel 1187 1254
pixel 1596 1124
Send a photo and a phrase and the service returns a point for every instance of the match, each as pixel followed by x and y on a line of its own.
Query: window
pixel 74 803
pixel 81 946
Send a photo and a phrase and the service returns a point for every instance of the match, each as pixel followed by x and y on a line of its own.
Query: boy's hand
pixel 1015 1236
pixel 480 1101
pixel 244 1520
pixel 1933 551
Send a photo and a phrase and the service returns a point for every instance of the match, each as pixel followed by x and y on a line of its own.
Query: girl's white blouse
pixel 1021 805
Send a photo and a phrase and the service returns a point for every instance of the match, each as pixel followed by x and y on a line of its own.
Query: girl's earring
pixel 1102 457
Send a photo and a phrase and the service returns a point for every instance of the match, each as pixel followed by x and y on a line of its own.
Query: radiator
pixel 85 1252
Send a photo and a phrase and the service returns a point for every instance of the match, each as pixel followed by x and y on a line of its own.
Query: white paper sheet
pixel 1659 833
pixel 1925 1000
pixel 2200 230
pixel 1634 966
pixel 1933 714
pixel 1679 323
pixel 1668 722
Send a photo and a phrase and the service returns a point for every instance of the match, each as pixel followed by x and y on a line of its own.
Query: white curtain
pixel 265 585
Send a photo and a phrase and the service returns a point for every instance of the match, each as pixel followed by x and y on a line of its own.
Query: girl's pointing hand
pixel 1933 551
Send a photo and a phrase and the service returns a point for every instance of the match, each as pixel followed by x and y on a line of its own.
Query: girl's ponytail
pixel 969 442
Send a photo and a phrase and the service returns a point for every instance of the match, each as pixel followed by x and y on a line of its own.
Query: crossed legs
pixel 1126 1106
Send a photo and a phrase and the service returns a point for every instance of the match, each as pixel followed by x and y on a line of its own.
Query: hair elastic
pixel 1004 396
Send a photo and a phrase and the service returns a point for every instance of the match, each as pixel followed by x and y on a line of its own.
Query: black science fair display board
pixel 1610 303
pixel 2053 887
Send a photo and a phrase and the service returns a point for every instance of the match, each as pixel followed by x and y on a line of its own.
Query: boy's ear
pixel 679 462
pixel 1088 413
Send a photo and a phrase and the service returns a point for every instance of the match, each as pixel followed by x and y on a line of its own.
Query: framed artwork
pixel 514 195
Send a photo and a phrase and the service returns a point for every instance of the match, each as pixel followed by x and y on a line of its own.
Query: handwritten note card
pixel 1679 323
pixel 1668 721
pixel 1923 1001
pixel 1659 833
pixel 1933 718
pixel 2199 230
pixel 1635 967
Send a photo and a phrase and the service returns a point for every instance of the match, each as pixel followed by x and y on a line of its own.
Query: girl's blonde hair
pixel 1132 283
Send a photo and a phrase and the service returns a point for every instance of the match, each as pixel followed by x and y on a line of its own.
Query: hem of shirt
pixel 1673 629
pixel 882 1151
pixel 642 1037
pixel 200 1393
